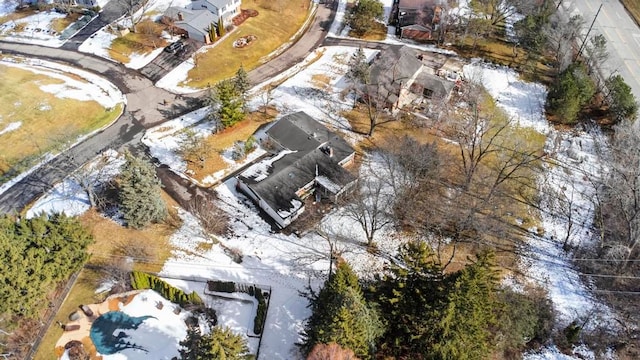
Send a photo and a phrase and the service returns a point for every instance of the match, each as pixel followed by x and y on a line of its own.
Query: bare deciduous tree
pixel 370 205
pixel 135 11
pixel 212 219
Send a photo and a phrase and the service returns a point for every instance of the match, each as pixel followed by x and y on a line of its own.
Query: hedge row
pixel 140 280
pixel 221 286
pixel 261 313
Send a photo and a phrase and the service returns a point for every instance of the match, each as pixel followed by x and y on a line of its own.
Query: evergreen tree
pixel 571 92
pixel 359 68
pixel 622 103
pixel 220 344
pixel 411 297
pixel 139 192
pixel 463 330
pixel 364 15
pixel 242 84
pixel 340 314
pixel 212 32
pixel 227 106
pixel 35 254
pixel 221 29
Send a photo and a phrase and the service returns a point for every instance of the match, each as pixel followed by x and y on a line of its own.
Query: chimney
pixel 180 16
pixel 330 151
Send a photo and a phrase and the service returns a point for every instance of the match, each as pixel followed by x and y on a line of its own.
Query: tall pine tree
pixel 220 344
pixel 463 330
pixel 340 314
pixel 410 297
pixel 227 105
pixel 139 191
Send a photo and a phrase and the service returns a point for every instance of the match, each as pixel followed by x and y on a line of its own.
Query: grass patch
pixel 504 53
pixel 378 32
pixel 633 7
pixel 221 141
pixel 149 245
pixel 273 27
pixel 16 15
pixel 62 23
pixel 83 292
pixel 123 47
pixel 47 123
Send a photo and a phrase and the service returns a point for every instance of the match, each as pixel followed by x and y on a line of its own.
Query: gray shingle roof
pixel 308 140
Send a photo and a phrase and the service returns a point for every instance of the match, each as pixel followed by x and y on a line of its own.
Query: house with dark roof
pixel 416 19
pixel 197 18
pixel 307 159
pixel 402 75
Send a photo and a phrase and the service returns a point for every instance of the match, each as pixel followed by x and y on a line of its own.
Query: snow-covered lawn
pixel 69 196
pixel 574 157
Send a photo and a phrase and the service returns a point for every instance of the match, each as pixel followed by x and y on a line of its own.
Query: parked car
pixel 172 48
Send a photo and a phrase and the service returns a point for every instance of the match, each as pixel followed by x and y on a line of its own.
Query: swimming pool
pixel 106 337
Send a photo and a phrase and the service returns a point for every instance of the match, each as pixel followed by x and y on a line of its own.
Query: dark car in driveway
pixel 174 47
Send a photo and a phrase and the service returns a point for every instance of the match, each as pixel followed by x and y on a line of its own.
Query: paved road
pixel 622 33
pixel 311 39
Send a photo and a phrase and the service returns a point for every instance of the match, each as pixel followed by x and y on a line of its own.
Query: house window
pixel 427 93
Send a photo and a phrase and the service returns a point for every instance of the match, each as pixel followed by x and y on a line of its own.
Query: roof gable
pixel 305 157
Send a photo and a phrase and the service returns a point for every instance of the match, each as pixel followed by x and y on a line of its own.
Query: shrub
pixel 140 280
pixel 261 312
pixel 221 286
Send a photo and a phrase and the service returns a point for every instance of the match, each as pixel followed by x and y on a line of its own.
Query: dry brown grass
pixel 47 122
pixel 147 39
pixel 320 81
pixel 633 7
pixel 150 244
pixel 502 52
pixel 274 26
pixel 61 23
pixel 379 32
pixel 16 15
pixel 221 141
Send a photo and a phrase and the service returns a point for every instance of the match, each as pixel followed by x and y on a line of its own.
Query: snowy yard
pixel 288 263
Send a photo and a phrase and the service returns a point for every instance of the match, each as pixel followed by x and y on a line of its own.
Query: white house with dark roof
pixel 198 17
pixel 308 159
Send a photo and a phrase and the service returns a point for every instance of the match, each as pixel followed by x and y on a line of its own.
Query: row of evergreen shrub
pixel 141 280
pixel 221 286
pixel 261 313
pixel 230 286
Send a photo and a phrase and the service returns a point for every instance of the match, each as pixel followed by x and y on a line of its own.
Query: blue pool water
pixel 106 337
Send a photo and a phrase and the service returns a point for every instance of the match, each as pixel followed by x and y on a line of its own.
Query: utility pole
pixel 588 32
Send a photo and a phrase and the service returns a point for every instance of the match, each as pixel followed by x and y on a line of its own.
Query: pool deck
pixel 112 303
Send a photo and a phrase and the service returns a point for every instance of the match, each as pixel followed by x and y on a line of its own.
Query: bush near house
pixel 140 280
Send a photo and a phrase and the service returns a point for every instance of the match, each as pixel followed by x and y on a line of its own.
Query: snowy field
pixel 289 263
pixel 37 28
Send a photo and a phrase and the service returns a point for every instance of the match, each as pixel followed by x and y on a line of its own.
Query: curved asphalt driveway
pixel 145 104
